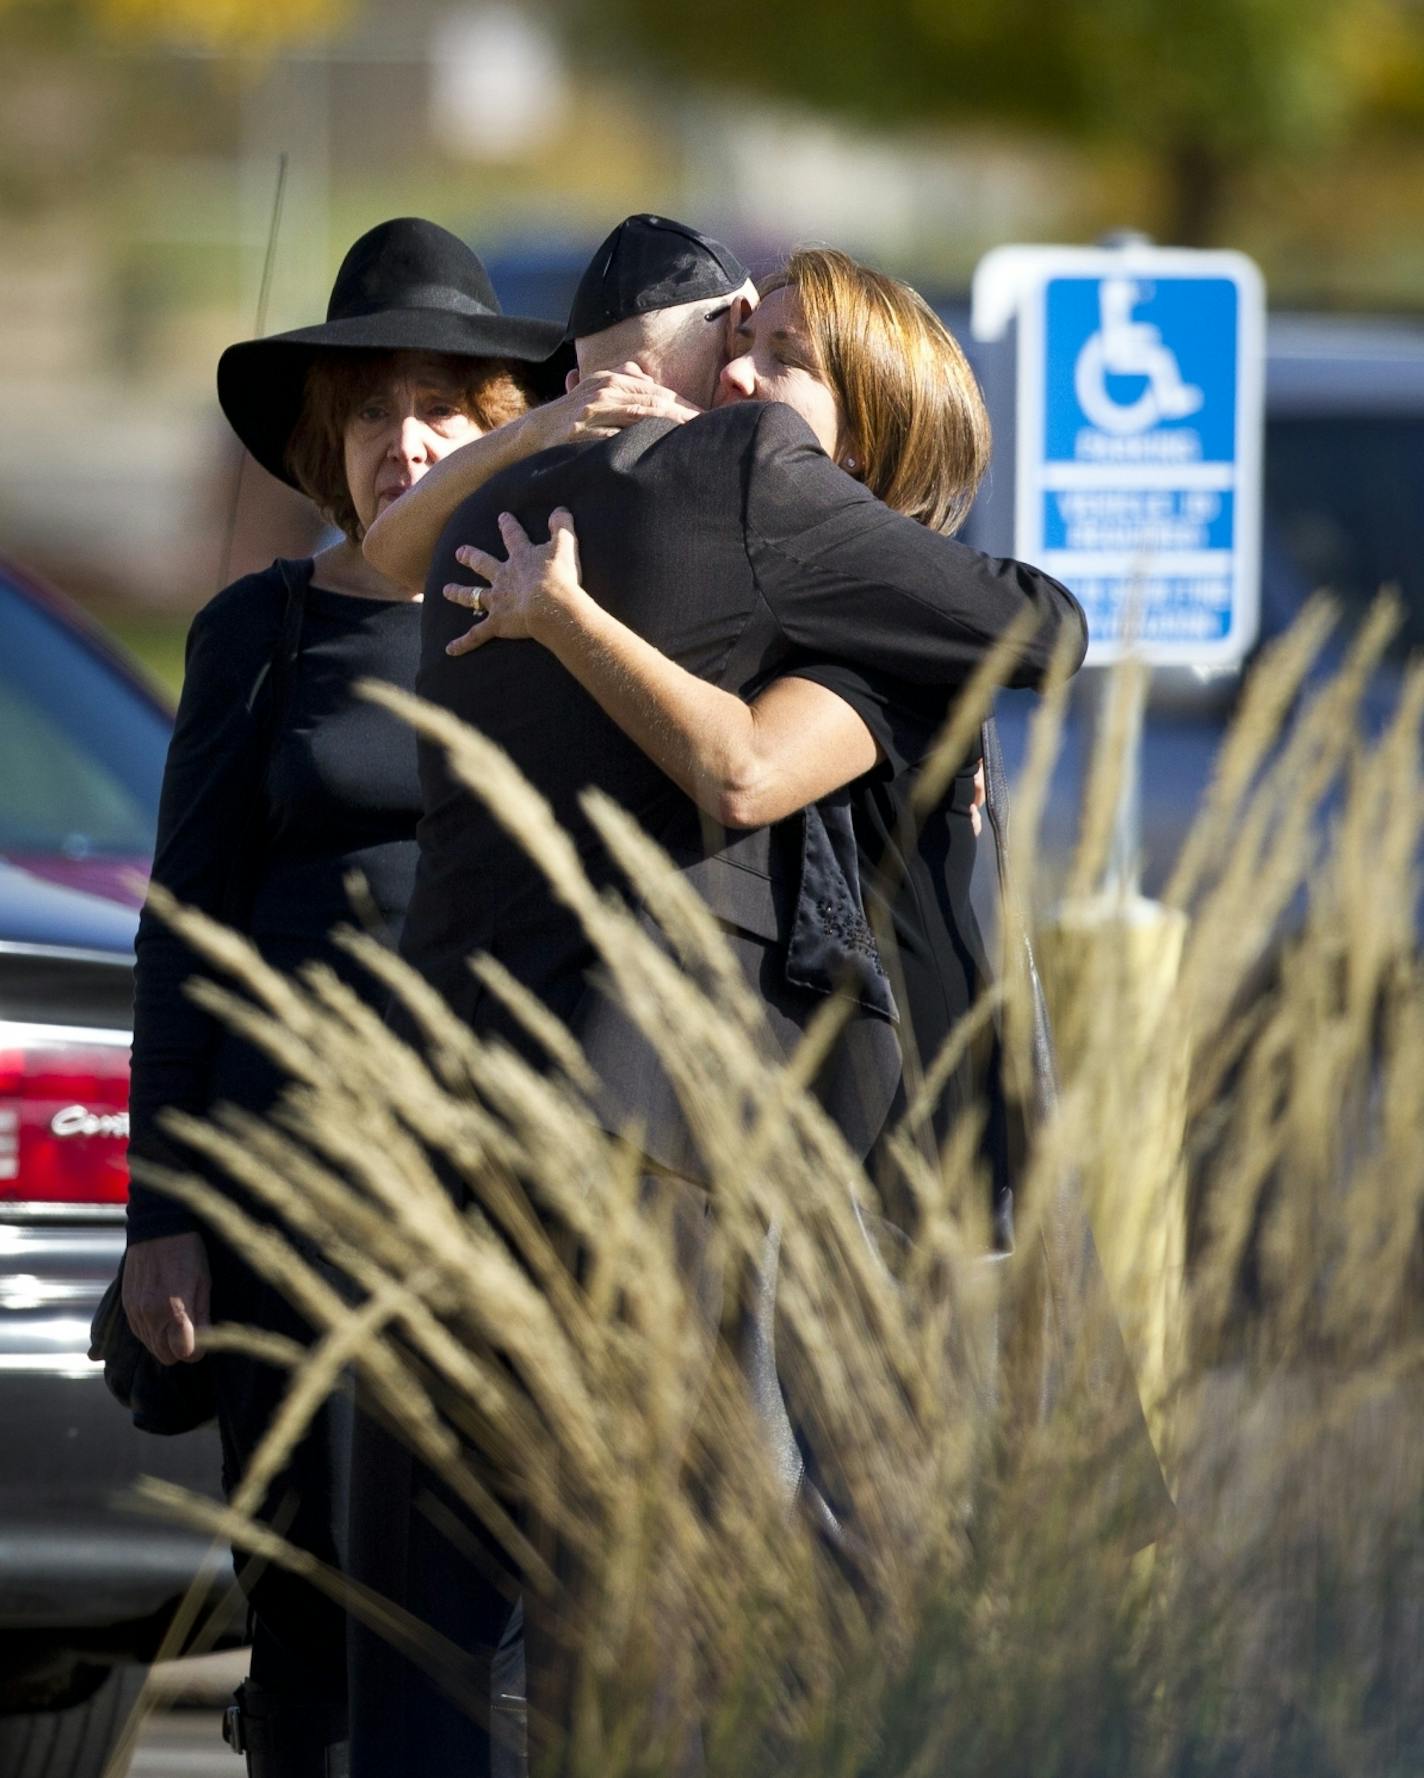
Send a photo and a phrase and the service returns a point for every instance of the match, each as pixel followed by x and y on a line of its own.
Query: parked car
pixel 1343 470
pixel 82 742
pixel 88 1587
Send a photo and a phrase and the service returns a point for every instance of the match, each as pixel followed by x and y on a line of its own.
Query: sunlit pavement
pixel 184 1744
pixel 182 1731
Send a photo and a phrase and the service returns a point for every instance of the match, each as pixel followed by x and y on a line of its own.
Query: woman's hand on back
pixel 537 585
pixel 604 402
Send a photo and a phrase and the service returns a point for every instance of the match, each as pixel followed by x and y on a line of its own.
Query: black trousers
pixel 420 1701
pixel 420 1708
pixel 299 1633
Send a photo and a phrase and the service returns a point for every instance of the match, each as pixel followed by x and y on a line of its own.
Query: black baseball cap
pixel 647 263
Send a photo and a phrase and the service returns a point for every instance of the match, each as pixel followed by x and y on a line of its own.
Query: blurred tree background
pixel 217 23
pixel 1209 94
pixel 139 144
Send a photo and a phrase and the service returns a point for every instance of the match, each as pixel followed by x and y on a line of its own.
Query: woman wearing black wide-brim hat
pixel 280 783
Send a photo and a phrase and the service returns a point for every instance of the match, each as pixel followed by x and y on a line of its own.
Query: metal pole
pixel 1124 870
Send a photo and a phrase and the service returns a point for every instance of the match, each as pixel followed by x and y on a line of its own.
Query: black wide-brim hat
pixel 405 286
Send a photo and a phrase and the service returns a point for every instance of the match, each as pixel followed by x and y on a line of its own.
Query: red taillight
pixel 64 1122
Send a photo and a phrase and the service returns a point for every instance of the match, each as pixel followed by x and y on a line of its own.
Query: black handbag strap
pixel 267 702
pixel 276 671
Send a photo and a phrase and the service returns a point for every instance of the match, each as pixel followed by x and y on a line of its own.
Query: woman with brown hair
pixel 280 784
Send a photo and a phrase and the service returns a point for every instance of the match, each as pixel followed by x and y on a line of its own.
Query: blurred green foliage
pixel 1208 90
pixel 215 24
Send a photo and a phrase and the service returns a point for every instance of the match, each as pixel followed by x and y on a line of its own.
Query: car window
pixel 81 750
pixel 1344 498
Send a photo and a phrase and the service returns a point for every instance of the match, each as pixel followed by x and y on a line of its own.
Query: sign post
pixel 1137 415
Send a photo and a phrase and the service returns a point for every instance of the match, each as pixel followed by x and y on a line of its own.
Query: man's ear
pixel 571 382
pixel 742 304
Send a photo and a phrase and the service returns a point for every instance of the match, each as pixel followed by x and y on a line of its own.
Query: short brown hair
pixel 493 390
pixel 908 395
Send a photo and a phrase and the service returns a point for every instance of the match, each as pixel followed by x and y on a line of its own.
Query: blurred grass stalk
pixel 1240 1105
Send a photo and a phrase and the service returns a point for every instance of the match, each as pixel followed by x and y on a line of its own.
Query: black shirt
pixel 735 546
pixel 263 833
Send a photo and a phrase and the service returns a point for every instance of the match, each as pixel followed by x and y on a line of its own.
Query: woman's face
pixel 775 362
pixel 411 418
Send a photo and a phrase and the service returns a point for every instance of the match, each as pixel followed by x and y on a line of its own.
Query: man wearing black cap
pixel 735 546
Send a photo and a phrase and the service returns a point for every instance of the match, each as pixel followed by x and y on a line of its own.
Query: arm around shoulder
pixel 401 540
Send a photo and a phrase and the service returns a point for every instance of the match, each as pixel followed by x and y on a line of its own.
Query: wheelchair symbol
pixel 1123 347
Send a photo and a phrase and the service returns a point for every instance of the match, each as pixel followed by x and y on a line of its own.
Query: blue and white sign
pixel 1138 449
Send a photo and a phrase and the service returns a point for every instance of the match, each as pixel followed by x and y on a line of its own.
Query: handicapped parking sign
pixel 1131 358
pixel 1138 439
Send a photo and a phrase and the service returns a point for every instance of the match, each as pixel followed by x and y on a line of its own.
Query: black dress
pixel 260 828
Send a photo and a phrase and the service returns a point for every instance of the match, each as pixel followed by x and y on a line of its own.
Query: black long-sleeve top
pixel 261 829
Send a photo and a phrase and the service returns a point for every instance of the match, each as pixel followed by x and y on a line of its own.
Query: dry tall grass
pixel 986 1606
